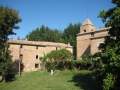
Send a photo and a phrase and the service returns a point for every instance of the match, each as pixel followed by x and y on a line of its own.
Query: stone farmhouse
pixel 30 52
pixel 89 38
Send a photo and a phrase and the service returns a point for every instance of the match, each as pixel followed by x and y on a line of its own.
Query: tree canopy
pixel 58 55
pixel 9 19
pixel 109 57
pixel 45 34
pixel 70 34
pixel 56 59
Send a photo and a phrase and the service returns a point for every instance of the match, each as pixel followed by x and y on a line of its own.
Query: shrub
pixel 62 59
pixel 85 62
pixel 108 82
pixel 57 59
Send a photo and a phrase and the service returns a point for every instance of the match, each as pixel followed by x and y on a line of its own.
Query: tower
pixel 84 38
pixel 89 39
pixel 87 27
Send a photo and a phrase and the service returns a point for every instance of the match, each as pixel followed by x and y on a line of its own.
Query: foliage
pixel 45 34
pixel 8 20
pixel 61 54
pixel 87 61
pixel 70 34
pixel 62 59
pixel 57 58
pixel 108 60
pixel 108 82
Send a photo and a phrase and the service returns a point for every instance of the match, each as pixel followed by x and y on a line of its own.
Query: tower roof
pixel 87 22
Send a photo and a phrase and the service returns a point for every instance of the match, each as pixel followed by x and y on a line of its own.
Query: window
pixel 36 56
pixel 21 46
pixel 84 30
pixel 100 45
pixel 36 65
pixel 92 34
pixel 21 56
pixel 36 47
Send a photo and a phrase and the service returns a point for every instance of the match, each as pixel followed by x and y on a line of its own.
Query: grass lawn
pixel 61 80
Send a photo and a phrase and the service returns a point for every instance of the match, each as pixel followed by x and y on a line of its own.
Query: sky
pixel 56 14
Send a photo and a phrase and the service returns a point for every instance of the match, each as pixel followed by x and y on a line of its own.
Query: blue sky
pixel 55 13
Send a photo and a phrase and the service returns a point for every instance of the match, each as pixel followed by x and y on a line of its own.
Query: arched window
pixel 84 30
pixel 36 56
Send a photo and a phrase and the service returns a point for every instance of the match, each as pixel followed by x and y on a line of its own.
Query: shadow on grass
pixel 85 81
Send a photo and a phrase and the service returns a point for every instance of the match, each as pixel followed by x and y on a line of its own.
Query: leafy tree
pixel 9 19
pixel 86 62
pixel 54 58
pixel 69 35
pixel 109 58
pixel 45 34
pixel 61 54
pixel 108 82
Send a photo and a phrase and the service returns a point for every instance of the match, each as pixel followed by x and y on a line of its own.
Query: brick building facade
pixel 89 38
pixel 30 52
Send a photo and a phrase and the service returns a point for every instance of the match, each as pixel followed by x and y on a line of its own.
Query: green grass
pixel 61 80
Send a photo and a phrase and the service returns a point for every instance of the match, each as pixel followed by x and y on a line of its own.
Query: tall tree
pixel 45 34
pixel 69 35
pixel 109 66
pixel 9 19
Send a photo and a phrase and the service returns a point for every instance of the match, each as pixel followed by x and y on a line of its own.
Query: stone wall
pixel 89 39
pixel 31 52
